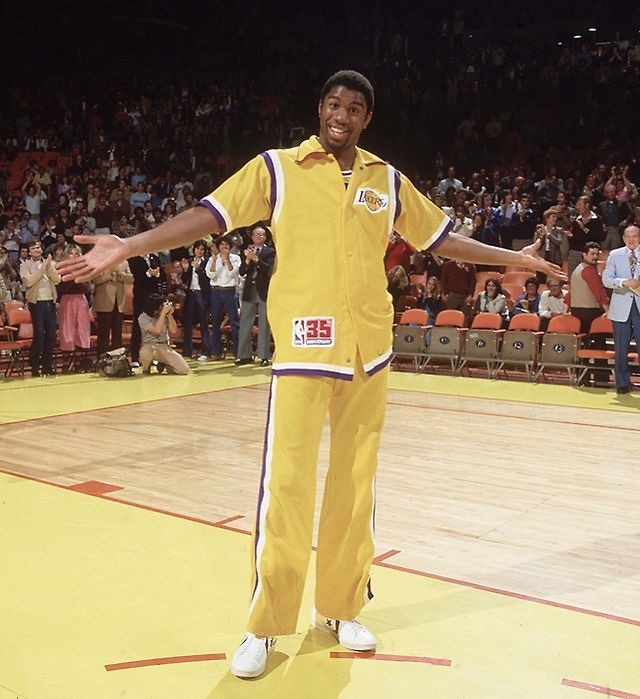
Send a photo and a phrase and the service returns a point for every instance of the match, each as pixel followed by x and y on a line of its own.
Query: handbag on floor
pixel 114 363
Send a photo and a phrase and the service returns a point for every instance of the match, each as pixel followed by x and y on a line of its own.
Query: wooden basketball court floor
pixel 507 561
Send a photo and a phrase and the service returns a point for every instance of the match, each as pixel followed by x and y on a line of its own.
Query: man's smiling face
pixel 343 116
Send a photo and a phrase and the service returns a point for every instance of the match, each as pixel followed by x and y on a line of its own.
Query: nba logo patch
pixel 313 332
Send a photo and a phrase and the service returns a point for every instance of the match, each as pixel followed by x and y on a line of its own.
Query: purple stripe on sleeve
pixel 396 181
pixel 447 229
pixel 216 214
pixel 272 172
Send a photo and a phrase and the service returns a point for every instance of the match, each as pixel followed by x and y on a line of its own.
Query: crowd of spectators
pixel 448 89
pixel 497 126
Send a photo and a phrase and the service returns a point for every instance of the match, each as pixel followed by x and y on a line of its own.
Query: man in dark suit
pixel 586 228
pixel 616 216
pixel 256 266
pixel 197 301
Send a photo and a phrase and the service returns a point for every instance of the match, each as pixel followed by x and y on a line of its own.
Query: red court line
pixel 597 689
pixel 222 524
pixel 165 661
pixel 129 503
pixel 439 408
pixel 94 488
pixel 169 513
pixel 383 556
pixel 390 658
pixel 514 595
pixel 391 566
pixel 237 530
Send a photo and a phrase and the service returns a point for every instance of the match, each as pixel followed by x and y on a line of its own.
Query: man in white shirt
pixel 28 229
pixel 450 181
pixel 223 269
pixel 10 239
pixel 33 197
pixel 552 302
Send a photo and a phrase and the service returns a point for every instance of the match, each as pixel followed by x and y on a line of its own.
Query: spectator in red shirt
pixel 458 283
pixel 588 297
pixel 399 252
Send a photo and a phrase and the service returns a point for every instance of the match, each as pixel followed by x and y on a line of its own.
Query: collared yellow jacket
pixel 328 304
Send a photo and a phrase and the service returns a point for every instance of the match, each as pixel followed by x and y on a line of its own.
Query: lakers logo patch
pixel 313 332
pixel 373 201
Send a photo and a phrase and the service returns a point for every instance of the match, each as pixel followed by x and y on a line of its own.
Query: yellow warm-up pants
pixel 298 407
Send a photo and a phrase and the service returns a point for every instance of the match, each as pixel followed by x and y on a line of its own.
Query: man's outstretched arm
pixel 458 247
pixel 108 251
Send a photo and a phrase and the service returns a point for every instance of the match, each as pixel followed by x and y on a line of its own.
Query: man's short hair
pixel 352 80
pixel 591 245
pixel 152 303
pixel 267 232
pixel 227 238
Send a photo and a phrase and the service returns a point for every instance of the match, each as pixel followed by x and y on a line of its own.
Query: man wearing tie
pixel 622 274
pixel 257 266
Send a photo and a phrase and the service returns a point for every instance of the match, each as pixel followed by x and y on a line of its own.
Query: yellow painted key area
pixel 106 593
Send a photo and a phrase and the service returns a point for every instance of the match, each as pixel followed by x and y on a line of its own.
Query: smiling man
pixel 332 208
pixel 40 277
pixel 622 275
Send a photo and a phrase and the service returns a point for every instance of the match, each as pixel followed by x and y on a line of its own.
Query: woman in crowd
pixel 398 285
pixel 429 298
pixel 462 224
pixel 553 239
pixel 74 330
pixel 492 300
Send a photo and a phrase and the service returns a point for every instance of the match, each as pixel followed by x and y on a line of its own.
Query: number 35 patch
pixel 313 332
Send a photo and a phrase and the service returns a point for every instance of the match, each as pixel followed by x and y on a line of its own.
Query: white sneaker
pixel 250 660
pixel 135 365
pixel 351 634
pixel 203 358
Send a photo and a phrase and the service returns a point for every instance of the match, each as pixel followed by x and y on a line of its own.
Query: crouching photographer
pixel 157 325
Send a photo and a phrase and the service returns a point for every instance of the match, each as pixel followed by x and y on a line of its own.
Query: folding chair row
pixel 10 350
pixel 560 350
pixel 422 344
